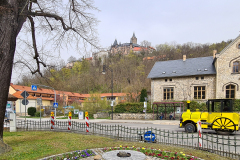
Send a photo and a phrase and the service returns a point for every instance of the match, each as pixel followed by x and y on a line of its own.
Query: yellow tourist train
pixel 220 117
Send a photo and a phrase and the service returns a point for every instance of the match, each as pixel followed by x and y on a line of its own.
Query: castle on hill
pixel 126 48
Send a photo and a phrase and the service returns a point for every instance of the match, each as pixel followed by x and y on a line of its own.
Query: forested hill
pixel 129 72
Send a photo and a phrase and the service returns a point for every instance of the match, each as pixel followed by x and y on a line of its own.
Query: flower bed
pixel 168 155
pixel 72 155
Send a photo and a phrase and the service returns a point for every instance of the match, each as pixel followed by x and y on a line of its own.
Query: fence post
pixel 235 145
pixel 118 132
pixel 177 138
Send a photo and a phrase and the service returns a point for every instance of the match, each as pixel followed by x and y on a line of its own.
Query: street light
pixel 103 72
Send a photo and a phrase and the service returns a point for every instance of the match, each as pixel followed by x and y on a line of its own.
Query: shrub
pixel 236 105
pixel 132 108
pixel 195 105
pixel 37 114
pixel 143 95
pixel 31 111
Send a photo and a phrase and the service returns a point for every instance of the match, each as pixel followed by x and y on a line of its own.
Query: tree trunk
pixel 10 25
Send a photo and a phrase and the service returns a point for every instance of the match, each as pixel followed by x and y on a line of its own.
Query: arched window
pixel 235 67
pixel 230 91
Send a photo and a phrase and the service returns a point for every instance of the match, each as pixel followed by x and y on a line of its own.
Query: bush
pixel 31 111
pixel 132 108
pixel 37 114
pixel 143 95
pixel 196 105
pixel 236 105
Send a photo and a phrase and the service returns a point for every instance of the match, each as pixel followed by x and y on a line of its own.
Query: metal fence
pixel 225 145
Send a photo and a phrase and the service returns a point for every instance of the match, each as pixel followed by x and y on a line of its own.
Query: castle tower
pixel 133 39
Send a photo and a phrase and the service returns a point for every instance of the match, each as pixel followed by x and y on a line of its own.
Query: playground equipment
pixel 220 117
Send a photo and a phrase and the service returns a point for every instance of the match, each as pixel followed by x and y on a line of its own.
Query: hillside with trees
pixel 129 72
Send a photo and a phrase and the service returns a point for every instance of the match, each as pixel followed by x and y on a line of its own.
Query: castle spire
pixel 134 35
pixel 115 42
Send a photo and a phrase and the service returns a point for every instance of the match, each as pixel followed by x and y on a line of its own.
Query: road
pixel 172 127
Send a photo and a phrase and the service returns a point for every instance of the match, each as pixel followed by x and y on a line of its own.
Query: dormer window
pixel 235 67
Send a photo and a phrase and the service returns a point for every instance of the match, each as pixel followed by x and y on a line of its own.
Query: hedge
pixel 138 107
pixel 132 108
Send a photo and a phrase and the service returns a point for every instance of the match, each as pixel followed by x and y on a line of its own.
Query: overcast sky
pixel 160 21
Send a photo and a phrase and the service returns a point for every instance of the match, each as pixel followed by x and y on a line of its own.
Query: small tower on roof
pixel 133 39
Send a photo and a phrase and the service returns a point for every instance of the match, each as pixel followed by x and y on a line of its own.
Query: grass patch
pixel 38 144
pixel 29 117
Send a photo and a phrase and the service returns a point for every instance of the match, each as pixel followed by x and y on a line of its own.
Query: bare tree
pixel 60 22
pixel 145 43
pixel 72 59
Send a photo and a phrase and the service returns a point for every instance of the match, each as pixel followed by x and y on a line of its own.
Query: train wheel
pixel 190 128
pixel 223 125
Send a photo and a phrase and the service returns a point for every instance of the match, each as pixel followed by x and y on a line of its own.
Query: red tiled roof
pixel 151 58
pixel 28 89
pixel 44 91
pixel 20 89
pixel 18 95
pixel 139 48
pixel 90 58
pixel 114 94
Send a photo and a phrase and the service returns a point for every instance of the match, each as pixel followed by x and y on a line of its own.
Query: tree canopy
pixel 45 27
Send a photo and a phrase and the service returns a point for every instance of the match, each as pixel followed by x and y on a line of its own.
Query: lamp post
pixel 103 72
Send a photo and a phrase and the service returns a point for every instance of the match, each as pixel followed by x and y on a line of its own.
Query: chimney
pixel 184 57
pixel 214 53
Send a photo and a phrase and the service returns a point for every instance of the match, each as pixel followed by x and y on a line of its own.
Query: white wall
pixel 20 108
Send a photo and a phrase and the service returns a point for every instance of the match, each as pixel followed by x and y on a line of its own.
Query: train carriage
pixel 220 117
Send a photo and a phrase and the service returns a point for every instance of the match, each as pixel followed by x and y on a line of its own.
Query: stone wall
pixel 100 115
pixel 183 87
pixel 136 116
pixel 224 69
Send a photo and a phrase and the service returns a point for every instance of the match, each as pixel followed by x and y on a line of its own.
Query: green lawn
pixel 38 144
pixel 29 117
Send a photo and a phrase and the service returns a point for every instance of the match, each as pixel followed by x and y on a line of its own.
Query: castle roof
pixel 115 43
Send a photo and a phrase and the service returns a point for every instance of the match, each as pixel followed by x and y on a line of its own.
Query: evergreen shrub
pixel 131 108
pixel 31 111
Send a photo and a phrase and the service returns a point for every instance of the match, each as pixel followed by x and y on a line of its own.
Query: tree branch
pixel 64 25
pixel 36 57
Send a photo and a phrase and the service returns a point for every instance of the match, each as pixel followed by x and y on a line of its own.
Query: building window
pixel 238 46
pixel 165 80
pixel 168 93
pixel 230 91
pixel 199 92
pixel 196 78
pixel 111 98
pixel 170 79
pixel 202 77
pixel 235 67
